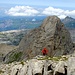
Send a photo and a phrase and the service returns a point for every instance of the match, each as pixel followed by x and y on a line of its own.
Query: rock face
pixel 40 66
pixel 51 35
pixel 32 67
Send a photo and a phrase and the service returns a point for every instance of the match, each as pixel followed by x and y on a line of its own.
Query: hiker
pixel 44 51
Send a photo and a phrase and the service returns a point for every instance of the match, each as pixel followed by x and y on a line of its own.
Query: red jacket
pixel 44 51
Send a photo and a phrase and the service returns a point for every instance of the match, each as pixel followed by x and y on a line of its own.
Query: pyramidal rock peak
pixel 52 35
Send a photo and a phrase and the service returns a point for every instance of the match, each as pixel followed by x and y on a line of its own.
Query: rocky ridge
pixel 52 35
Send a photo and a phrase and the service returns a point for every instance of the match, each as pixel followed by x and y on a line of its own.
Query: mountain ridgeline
pixel 69 22
pixel 52 35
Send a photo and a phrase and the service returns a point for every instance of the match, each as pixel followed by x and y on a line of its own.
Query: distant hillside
pixel 12 37
pixel 15 23
pixel 69 22
pixel 5 49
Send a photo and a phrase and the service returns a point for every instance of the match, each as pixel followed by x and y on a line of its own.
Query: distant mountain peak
pixel 69 22
pixel 69 18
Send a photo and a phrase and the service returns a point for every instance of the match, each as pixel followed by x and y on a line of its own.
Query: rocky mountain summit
pixel 52 35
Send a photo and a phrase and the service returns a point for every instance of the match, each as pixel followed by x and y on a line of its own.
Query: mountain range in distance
pixel 16 23
pixel 69 22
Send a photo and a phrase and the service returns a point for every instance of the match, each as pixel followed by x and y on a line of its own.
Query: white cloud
pixel 59 12
pixel 22 11
pixel 30 11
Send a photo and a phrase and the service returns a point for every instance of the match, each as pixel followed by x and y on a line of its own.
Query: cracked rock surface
pixel 40 66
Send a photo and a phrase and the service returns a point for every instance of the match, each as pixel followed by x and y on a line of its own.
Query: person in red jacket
pixel 44 51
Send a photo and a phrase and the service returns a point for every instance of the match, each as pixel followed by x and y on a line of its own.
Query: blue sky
pixel 60 8
pixel 58 3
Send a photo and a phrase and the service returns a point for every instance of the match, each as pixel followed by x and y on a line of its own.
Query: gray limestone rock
pixel 40 66
pixel 51 35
